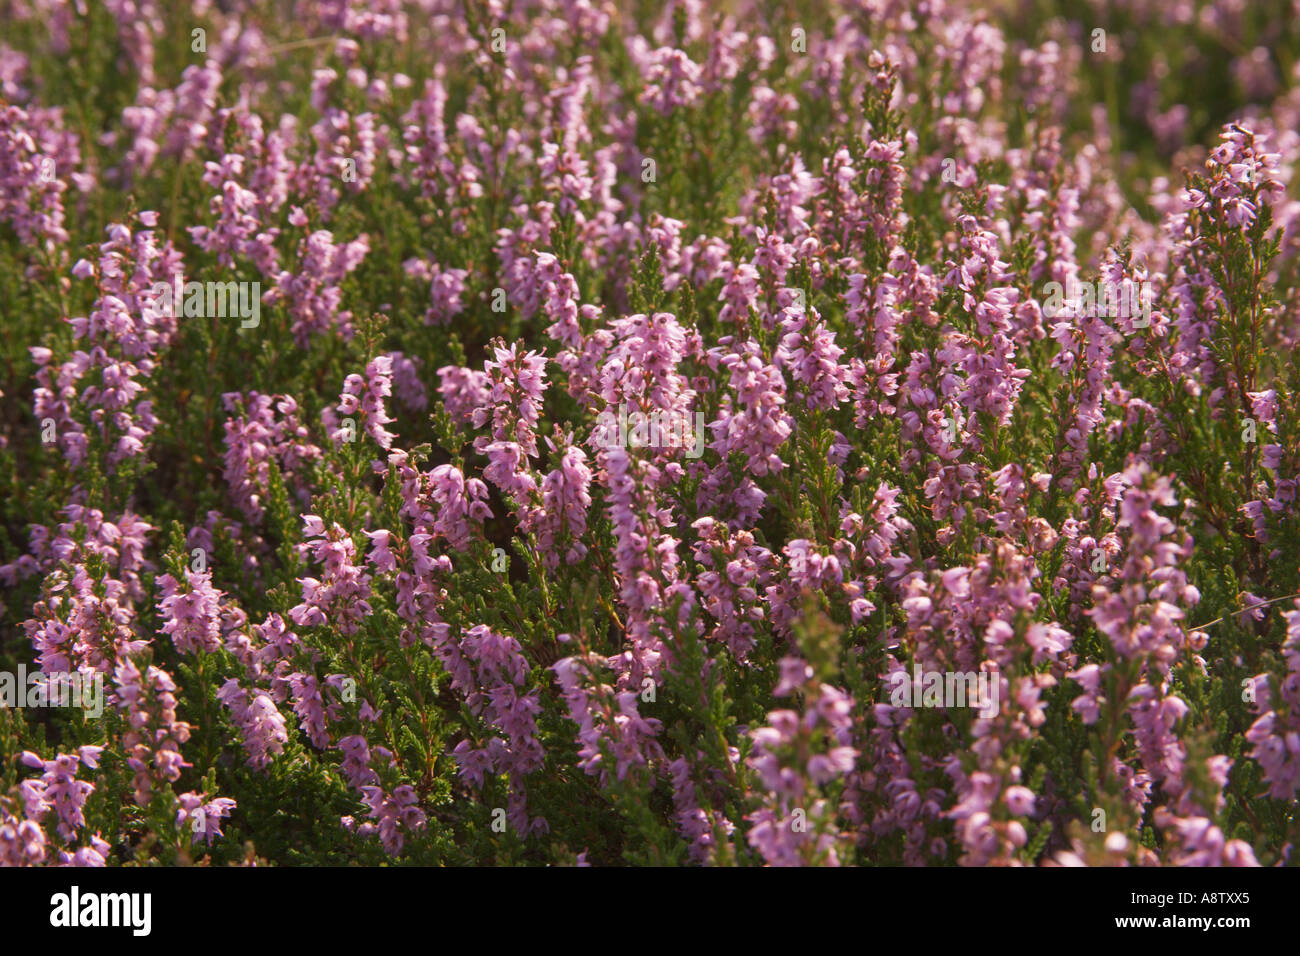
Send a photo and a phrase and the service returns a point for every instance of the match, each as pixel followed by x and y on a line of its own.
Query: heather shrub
pixel 707 434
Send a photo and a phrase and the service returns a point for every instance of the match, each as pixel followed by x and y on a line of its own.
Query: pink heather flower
pixel 738 571
pixel 83 625
pixel 36 157
pixel 312 291
pixel 490 671
pixel 794 756
pixel 364 399
pixel 265 430
pixel 671 80
pixel 514 403
pixel 559 291
pixel 809 353
pixel 274 649
pixel 642 371
pixel 645 561
pixel 407 385
pixel 1275 734
pixel 22 842
pixel 191 617
pixel 395 813
pixel 152 742
pixel 568 177
pixel 463 392
pixel 609 724
pixel 752 421
pixel 258 720
pixel 341 598
pixel 460 501
pixel 356 761
pixel 442 165
pixel 202 817
pixel 1198 842
pixel 58 789
pixel 309 705
pixel 119 340
pixel 1019 800
pixel 1141 616
pixel 703 830
pixel 446 291
pixel 561 521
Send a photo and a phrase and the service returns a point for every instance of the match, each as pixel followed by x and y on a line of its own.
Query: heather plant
pixel 558 433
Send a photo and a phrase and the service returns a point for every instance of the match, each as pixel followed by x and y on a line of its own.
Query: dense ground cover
pixel 610 433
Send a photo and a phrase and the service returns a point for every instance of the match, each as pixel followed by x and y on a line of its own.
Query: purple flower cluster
pixel 866 462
